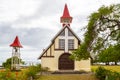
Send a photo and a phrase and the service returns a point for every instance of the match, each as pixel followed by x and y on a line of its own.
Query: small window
pixel 69 33
pixel 62 33
pixel 70 44
pixel 61 43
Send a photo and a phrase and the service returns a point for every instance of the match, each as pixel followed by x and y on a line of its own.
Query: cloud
pixel 13 9
pixel 32 39
pixel 27 14
pixel 37 21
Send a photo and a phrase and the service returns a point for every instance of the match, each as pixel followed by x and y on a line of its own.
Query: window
pixel 69 33
pixel 71 44
pixel 61 43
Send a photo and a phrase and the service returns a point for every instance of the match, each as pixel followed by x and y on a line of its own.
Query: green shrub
pixel 7 75
pixel 28 74
pixel 101 73
pixel 7 64
pixel 32 71
pixel 113 76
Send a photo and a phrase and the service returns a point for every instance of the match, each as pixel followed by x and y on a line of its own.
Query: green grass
pixel 112 68
pixel 71 76
pixel 68 77
pixel 78 76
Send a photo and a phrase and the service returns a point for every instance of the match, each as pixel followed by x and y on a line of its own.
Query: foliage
pixel 29 73
pixel 7 75
pixel 109 55
pixel 104 74
pixel 83 53
pixel 113 76
pixel 103 30
pixel 7 64
pixel 101 73
pixel 32 71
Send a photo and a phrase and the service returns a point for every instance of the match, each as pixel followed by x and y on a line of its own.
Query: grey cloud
pixel 34 37
pixel 38 37
pixel 45 9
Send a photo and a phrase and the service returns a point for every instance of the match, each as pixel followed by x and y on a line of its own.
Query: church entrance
pixel 65 63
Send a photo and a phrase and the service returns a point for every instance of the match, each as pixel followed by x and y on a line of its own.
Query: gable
pixel 47 51
pixel 63 33
pixel 70 32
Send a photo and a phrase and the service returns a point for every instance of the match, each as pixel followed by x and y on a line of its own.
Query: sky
pixel 36 22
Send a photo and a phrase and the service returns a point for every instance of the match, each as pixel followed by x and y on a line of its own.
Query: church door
pixel 65 63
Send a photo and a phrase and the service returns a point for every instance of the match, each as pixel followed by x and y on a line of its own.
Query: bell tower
pixel 66 19
pixel 15 60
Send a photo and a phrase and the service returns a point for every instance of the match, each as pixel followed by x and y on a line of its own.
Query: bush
pixel 32 71
pixel 113 76
pixel 8 63
pixel 103 74
pixel 27 74
pixel 7 75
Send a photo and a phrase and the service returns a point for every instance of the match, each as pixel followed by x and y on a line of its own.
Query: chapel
pixel 56 55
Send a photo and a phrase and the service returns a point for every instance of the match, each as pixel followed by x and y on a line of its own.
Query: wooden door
pixel 65 63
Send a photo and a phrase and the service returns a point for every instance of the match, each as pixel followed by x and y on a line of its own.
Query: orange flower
pixel 2 70
pixel 8 74
pixel 16 74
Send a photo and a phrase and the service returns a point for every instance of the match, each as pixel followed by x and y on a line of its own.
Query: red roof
pixel 16 43
pixel 66 12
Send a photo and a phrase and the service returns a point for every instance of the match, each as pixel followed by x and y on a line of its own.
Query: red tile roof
pixel 16 43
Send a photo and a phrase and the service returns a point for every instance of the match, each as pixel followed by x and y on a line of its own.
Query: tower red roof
pixel 66 12
pixel 66 18
pixel 16 43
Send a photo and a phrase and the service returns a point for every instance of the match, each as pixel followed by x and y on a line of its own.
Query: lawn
pixel 112 68
pixel 68 77
pixel 78 76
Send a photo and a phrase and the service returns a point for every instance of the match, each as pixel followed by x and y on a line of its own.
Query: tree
pixel 103 30
pixel 109 55
pixel 7 64
pixel 116 53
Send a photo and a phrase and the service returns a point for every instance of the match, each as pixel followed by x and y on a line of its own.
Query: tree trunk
pixel 92 61
pixel 115 63
pixel 107 63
